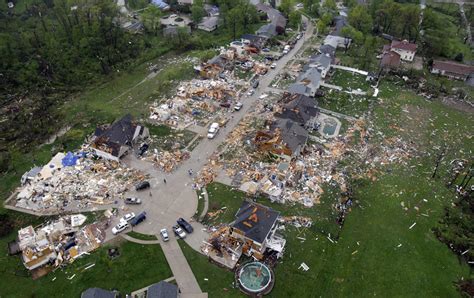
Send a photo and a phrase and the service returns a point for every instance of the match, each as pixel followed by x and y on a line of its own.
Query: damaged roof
pixel 293 134
pixel 300 109
pixel 121 132
pixel 255 220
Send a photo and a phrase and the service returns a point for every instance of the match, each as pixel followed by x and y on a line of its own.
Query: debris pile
pixel 168 161
pixel 58 243
pixel 63 186
pixel 194 100
pixel 297 221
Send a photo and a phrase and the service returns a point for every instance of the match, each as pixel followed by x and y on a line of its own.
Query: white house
pixel 405 49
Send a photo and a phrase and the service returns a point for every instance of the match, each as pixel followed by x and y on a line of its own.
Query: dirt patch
pixel 459 105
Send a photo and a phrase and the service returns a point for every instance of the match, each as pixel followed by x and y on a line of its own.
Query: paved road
pixel 165 202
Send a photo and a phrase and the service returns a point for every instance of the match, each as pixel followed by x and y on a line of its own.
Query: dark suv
pixel 138 219
pixel 185 225
pixel 142 185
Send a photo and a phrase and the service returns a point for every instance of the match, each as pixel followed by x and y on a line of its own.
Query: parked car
pixel 255 84
pixel 142 185
pixel 179 232
pixel 266 50
pixel 164 235
pixel 238 106
pixel 250 92
pixel 213 129
pixel 128 217
pixel 225 104
pixel 186 226
pixel 173 16
pixel 122 225
pixel 138 219
pixel 133 201
pixel 273 65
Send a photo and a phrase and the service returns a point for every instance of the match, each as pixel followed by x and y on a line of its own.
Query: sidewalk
pixel 181 270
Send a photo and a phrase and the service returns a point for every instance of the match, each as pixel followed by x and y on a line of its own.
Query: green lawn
pixel 136 267
pixel 349 80
pixel 219 281
pixel 341 102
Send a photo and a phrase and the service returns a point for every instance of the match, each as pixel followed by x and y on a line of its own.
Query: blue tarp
pixel 70 159
pixel 160 3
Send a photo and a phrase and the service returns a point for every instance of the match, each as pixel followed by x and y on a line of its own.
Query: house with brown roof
pixel 390 60
pixel 405 49
pixel 452 70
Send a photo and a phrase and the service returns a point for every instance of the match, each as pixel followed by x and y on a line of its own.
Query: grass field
pixel 349 80
pixel 136 267
pixel 219 281
pixel 141 236
pixel 376 254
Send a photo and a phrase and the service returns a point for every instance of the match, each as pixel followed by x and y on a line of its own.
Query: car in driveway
pixel 138 219
pixel 133 201
pixel 213 129
pixel 179 232
pixel 185 225
pixel 120 227
pixel 164 235
pixel 225 104
pixel 238 106
pixel 142 185
pixel 128 217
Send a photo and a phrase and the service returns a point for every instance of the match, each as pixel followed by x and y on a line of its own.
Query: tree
pixel 294 19
pixel 285 7
pixel 151 19
pixel 181 39
pixel 234 21
pixel 360 19
pixel 197 11
pixel 330 5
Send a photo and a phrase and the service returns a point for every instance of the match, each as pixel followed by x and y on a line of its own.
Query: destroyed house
pixel 114 141
pixel 300 109
pixel 36 248
pixel 255 224
pixel 293 135
pixel 254 40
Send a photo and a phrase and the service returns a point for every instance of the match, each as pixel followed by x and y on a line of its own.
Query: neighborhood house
pixel 114 141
